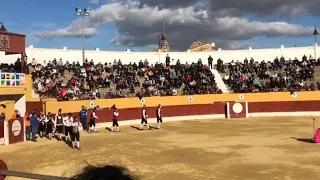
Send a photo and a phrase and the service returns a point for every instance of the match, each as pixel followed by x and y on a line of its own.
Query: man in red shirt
pixel 115 120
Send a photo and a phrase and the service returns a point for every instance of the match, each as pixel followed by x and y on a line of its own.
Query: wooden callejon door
pixel 1 129
pixel 16 130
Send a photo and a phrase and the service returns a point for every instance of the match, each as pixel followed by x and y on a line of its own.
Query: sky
pixel 135 24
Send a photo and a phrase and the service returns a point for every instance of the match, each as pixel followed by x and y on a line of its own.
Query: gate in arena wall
pixel 237 110
pixel 16 130
pixel 12 131
pixel 1 129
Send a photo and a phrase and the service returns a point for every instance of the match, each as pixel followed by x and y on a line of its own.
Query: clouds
pixel 282 8
pixel 94 1
pixel 285 8
pixel 167 3
pixel 221 21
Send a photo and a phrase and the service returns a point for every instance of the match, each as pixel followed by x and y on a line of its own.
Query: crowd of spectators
pixel 119 80
pixel 276 76
pixel 11 68
pixel 72 81
pixel 49 80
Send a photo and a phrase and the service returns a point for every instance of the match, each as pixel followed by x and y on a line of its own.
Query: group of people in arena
pixel 67 128
pixel 50 126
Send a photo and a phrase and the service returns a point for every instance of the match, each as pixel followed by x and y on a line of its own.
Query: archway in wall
pixel 13 43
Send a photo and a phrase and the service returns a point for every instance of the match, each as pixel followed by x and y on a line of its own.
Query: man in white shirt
pixel 115 120
pixel 144 117
pixel 226 77
pixel 60 62
pixel 174 92
pixel 92 123
pixel 33 62
pixel 75 138
pixel 67 122
pixel 44 63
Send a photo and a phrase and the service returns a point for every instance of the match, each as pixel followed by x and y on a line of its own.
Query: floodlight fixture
pixel 87 11
pixel 78 11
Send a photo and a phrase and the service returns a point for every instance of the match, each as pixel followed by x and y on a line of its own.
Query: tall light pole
pixel 315 33
pixel 85 12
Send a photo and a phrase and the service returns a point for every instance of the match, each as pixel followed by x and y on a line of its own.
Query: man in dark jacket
pixel 210 59
pixel 83 117
pixel 34 126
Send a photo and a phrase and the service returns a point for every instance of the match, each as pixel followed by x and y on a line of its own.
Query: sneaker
pixel 78 148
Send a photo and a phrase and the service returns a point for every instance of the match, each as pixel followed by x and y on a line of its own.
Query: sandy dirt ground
pixel 250 149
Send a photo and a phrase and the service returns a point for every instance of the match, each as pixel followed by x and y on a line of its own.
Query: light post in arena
pixel 85 12
pixel 315 33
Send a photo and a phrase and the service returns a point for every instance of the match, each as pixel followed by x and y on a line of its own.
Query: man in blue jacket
pixel 34 126
pixel 83 117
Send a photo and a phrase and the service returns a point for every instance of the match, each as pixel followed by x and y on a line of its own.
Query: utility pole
pixel 86 12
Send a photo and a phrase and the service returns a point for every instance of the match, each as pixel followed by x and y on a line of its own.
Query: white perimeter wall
pixel 98 55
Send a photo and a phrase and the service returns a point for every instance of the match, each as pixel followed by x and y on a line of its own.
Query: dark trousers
pixel 28 133
pixel 34 132
pixel 84 123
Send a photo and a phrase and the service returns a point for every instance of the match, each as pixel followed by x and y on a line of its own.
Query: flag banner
pixel 12 80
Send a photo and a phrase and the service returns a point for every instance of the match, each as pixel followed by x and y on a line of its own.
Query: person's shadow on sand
pixel 306 140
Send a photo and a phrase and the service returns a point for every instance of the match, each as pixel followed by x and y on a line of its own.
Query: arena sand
pixel 248 149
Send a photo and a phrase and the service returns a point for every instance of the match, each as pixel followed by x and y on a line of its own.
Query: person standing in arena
pixel 42 124
pixel 34 126
pixel 83 117
pixel 92 123
pixel 26 119
pixel 59 124
pixel 49 125
pixel 159 117
pixel 115 120
pixel 144 117
pixel 67 122
pixel 75 137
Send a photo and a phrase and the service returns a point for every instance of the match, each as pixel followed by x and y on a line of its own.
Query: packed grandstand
pixel 71 81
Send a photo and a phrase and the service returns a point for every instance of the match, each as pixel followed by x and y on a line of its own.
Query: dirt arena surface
pixel 249 149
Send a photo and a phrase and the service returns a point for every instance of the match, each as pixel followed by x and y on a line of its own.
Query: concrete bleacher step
pixel 221 85
pixel 317 74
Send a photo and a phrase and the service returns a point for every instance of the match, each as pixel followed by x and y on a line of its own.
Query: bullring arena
pixel 204 146
pixel 229 136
